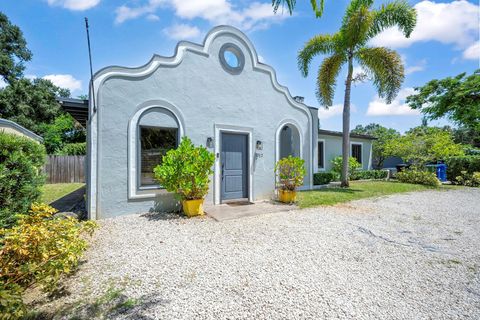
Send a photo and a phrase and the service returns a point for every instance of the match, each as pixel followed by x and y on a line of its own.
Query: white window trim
pixel 217 186
pixel 134 189
pixel 324 142
pixel 359 144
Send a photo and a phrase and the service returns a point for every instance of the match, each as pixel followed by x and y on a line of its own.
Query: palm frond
pixel 397 13
pixel 320 44
pixel 386 67
pixel 356 26
pixel 317 6
pixel 327 78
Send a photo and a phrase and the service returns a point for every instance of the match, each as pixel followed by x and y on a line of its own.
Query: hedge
pixel 418 177
pixel 370 175
pixel 21 160
pixel 320 178
pixel 455 166
pixel 73 149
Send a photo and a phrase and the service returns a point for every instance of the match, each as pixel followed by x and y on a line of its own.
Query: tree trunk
pixel 346 124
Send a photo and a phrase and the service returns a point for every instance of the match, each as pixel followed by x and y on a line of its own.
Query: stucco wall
pixel 205 95
pixel 333 148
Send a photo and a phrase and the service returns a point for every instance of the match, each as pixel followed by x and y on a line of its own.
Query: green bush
pixel 469 179
pixel 21 160
pixel 38 251
pixel 418 177
pixel 73 149
pixel 186 170
pixel 353 167
pixel 320 178
pixel 290 172
pixel 455 166
pixel 371 174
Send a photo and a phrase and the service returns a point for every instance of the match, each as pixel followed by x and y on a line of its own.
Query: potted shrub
pixel 290 172
pixel 186 172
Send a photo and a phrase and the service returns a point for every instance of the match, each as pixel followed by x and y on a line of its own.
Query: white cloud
pixel 77 5
pixel 420 66
pixel 335 110
pixel 153 17
pixel 378 107
pixel 254 16
pixel 453 23
pixel 66 81
pixel 182 31
pixel 472 52
pixel 261 59
pixel 3 84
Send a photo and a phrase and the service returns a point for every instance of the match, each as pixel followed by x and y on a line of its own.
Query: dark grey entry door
pixel 234 166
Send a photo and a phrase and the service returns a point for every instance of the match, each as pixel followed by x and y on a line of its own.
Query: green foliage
pixel 455 166
pixel 353 167
pixel 317 6
pixel 422 145
pixel 62 131
pixel 31 103
pixel 383 136
pixel 38 250
pixel 454 97
pixel 290 172
pixel 13 50
pixel 469 179
pixel 20 177
pixel 370 174
pixel 320 178
pixel 418 177
pixel 73 149
pixel 186 170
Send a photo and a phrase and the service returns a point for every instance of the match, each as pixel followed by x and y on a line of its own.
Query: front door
pixel 234 169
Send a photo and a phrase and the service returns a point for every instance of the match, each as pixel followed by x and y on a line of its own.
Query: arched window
pixel 289 141
pixel 158 132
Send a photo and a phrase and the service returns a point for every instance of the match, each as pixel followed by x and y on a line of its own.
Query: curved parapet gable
pixel 182 47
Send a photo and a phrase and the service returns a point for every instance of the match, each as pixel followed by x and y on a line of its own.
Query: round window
pixel 231 58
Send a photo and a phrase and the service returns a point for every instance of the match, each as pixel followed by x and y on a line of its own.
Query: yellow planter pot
pixel 193 208
pixel 287 196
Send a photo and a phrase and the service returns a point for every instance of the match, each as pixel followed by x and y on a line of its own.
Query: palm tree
pixel 360 24
pixel 317 6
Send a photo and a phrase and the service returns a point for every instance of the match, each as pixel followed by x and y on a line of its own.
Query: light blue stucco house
pixel 220 96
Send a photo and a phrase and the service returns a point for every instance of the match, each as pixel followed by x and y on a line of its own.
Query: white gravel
pixel 408 256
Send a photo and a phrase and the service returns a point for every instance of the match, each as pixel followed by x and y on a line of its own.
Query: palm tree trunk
pixel 346 124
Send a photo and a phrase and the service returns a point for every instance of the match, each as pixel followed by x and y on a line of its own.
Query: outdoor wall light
pixel 209 142
pixel 259 145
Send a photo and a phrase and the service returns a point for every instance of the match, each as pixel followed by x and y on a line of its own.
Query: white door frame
pixel 217 185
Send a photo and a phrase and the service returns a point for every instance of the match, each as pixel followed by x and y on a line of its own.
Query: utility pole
pixel 91 69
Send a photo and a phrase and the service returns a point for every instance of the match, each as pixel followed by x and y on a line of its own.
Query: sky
pixel 128 32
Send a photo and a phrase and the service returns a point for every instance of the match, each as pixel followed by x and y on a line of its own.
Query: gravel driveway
pixel 409 256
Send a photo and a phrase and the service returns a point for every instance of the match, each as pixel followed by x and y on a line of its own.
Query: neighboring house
pixel 330 146
pixel 220 96
pixel 8 126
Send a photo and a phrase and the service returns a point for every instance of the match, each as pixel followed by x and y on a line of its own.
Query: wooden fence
pixel 65 169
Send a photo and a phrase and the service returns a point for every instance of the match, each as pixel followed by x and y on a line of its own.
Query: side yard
pixel 52 192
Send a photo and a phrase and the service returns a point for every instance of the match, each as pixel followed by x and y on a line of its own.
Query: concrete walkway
pixel 235 210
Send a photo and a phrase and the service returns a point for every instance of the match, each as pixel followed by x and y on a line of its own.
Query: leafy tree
pixel 13 50
pixel 360 24
pixel 31 103
pixel 383 135
pixel 422 145
pixel 457 98
pixel 317 6
pixel 60 133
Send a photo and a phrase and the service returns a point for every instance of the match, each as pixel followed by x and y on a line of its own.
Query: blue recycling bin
pixel 440 170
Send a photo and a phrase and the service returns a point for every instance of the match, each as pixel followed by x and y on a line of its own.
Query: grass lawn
pixel 357 190
pixel 52 192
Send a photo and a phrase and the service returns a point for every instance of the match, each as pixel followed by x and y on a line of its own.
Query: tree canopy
pixel 383 135
pixel 421 145
pixel 13 50
pixel 317 6
pixel 31 103
pixel 456 98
